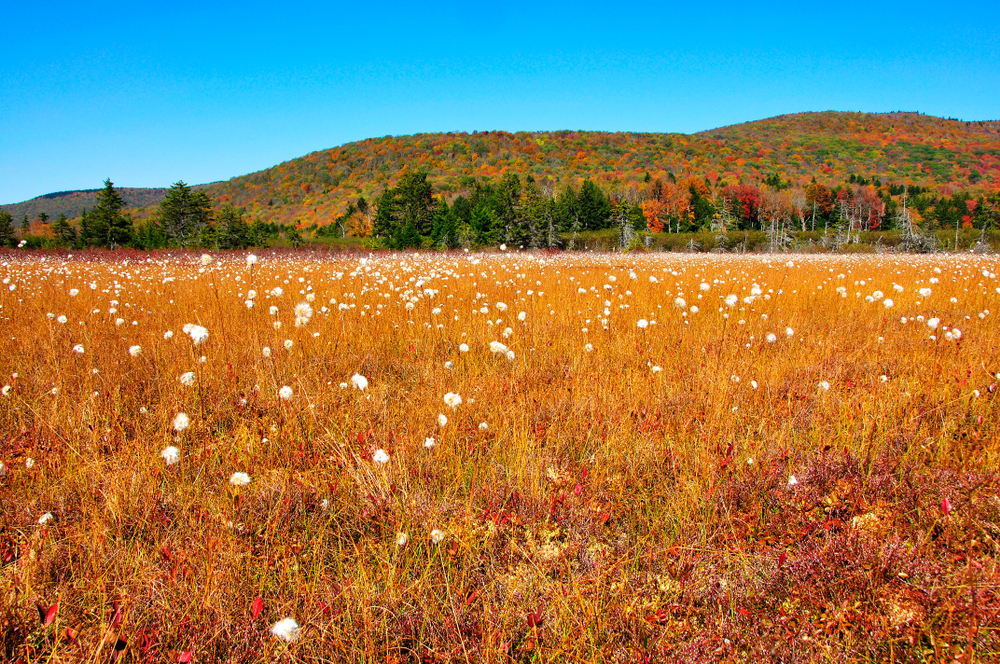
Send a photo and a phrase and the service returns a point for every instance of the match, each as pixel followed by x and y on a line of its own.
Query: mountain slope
pixel 896 147
pixel 939 153
pixel 72 203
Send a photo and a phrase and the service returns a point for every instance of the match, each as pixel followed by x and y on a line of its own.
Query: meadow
pixel 498 456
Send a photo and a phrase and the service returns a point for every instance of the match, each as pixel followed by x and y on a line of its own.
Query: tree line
pixel 526 213
pixel 185 218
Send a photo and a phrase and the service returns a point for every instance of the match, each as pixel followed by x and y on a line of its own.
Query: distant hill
pixel 72 203
pixel 941 154
pixel 830 146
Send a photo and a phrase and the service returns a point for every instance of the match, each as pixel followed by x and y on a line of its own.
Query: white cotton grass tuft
pixel 463 348
pixel 453 400
pixel 285 393
pixel 181 422
pixel 429 442
pixel 286 629
pixel 78 348
pixel 642 324
pixel 402 539
pixel 359 381
pixel 771 338
pixel 239 479
pixel 198 334
pixel 171 455
pixel 45 518
pixel 442 420
pixel 792 480
pixel 824 385
pixel 303 313
pixel 437 536
pixel 251 260
pixel 187 379
pixel 483 426
pixel 135 351
pixel 498 348
pixel 380 456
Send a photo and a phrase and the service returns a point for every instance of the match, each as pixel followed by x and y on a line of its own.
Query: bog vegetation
pixel 498 457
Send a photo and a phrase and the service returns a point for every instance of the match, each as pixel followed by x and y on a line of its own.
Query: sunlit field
pixel 499 457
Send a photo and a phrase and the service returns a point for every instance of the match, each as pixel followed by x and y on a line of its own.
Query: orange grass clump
pixel 490 457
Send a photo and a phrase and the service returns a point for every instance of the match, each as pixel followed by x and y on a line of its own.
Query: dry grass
pixel 632 502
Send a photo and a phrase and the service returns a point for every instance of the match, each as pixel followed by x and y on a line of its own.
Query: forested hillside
pixel 72 203
pixel 939 154
pixel 826 172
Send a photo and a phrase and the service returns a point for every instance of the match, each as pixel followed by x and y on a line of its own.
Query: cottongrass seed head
pixel 286 629
pixel 181 422
pixel 239 479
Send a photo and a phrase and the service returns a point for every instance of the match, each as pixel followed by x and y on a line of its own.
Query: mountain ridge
pixel 903 147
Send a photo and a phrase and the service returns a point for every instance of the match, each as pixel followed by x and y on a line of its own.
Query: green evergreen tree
pixel 6 229
pixel 64 234
pixel 184 213
pixel 233 232
pixel 109 227
pixel 595 209
pixel 409 204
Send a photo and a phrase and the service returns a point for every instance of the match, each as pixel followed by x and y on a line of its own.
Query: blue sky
pixel 154 94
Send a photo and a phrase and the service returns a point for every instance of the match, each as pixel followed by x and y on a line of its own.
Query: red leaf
pixel 743 612
pixel 946 506
pixel 116 617
pixel 578 489
pixel 185 657
pixel 50 615
pixel 70 634
pixel 257 606
pixel 535 619
pixel 781 559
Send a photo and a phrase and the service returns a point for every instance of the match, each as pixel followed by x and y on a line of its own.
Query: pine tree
pixel 184 213
pixel 6 228
pixel 108 226
pixel 64 234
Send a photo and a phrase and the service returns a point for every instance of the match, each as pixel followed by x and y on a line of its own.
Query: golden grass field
pixel 689 490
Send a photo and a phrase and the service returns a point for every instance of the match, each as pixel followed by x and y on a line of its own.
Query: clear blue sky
pixel 148 95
